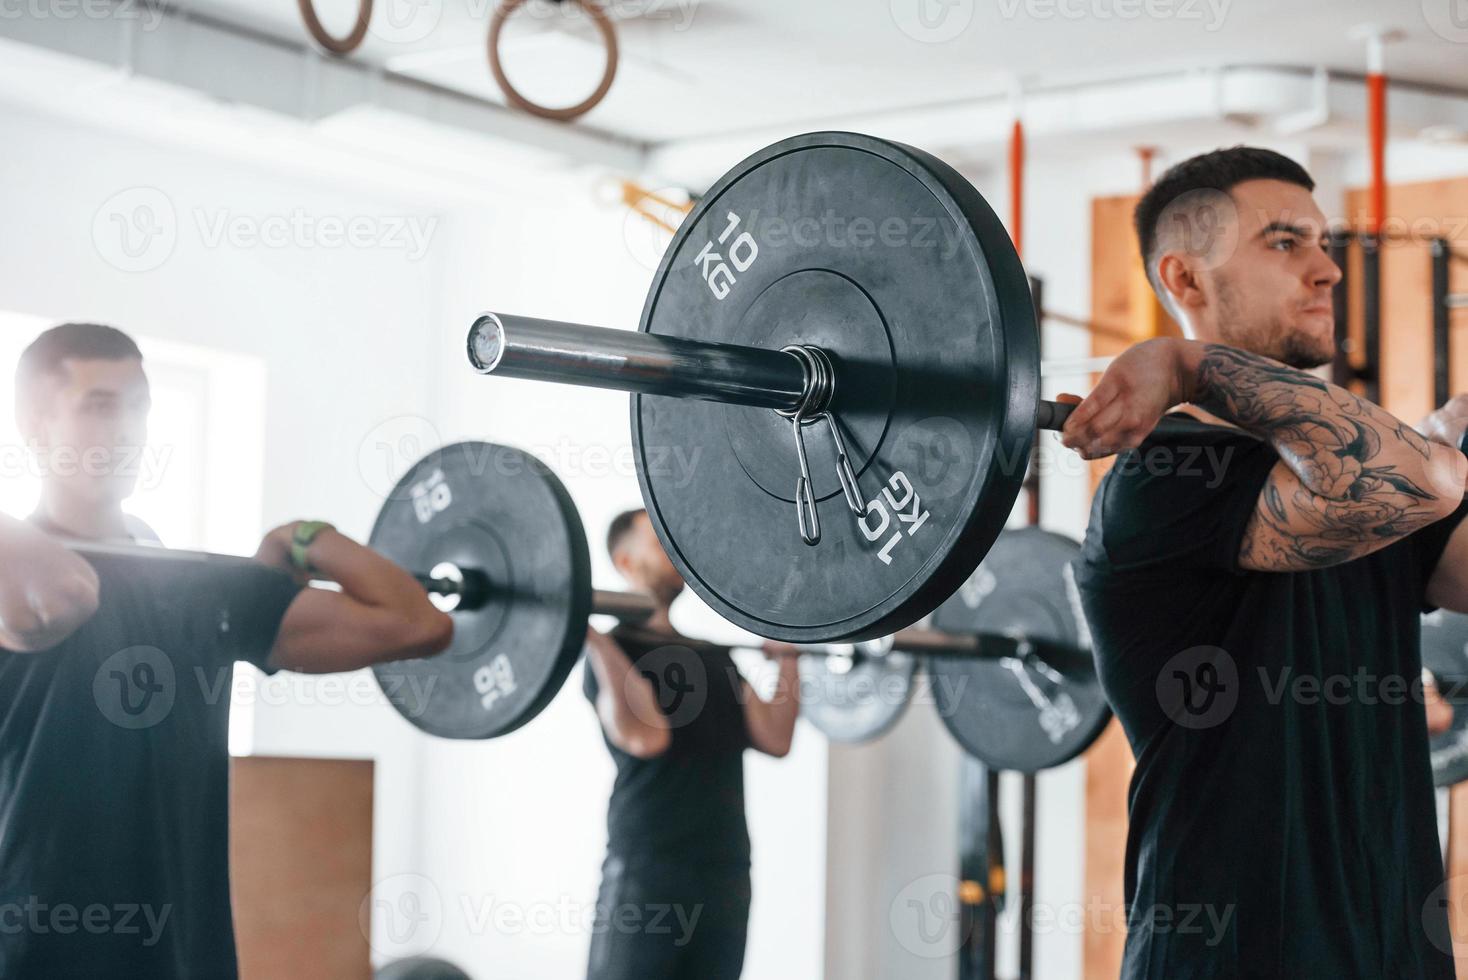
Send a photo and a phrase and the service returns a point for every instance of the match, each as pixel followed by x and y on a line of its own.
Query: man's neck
pixel 660 621
pixel 84 521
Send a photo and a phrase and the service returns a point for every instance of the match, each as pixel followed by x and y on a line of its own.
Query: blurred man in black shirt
pixel 115 685
pixel 677 718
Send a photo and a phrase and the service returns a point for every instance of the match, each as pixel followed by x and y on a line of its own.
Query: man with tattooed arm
pixel 1258 634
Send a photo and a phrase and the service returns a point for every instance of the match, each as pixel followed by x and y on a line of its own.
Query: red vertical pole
pixel 1017 186
pixel 1376 121
pixel 1145 154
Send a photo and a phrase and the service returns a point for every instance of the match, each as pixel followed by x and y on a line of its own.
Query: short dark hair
pixel 79 341
pixel 621 527
pixel 1220 170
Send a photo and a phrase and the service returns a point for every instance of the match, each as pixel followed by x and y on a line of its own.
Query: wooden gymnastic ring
pixel 337 46
pixel 512 95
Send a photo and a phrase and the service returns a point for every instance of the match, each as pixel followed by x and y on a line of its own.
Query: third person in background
pixel 677 719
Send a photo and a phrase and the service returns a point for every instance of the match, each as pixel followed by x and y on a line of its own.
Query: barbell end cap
pixel 486 343
pixel 1051 415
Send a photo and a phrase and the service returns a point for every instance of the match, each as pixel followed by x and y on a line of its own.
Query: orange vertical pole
pixel 1017 186
pixel 1376 41
pixel 1145 154
pixel 1376 122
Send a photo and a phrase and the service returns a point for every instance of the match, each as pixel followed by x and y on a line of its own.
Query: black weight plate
pixel 891 262
pixel 1021 716
pixel 497 509
pixel 855 698
pixel 420 968
pixel 1445 655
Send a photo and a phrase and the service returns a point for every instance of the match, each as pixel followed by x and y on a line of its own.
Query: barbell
pixel 1002 650
pixel 506 557
pixel 1027 699
pixel 841 323
pixel 451 586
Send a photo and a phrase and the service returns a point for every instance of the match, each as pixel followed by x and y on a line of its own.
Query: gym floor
pixel 300 241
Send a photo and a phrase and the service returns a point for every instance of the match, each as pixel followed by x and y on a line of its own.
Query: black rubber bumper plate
pixel 891 262
pixel 500 510
pixel 855 698
pixel 1019 713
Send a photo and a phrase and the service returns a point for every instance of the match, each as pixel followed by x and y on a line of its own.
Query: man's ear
pixel 29 421
pixel 622 562
pixel 1179 280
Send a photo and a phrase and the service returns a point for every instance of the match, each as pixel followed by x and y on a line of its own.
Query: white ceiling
pixel 696 68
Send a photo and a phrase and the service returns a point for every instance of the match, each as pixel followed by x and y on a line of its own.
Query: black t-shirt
pixel 684 809
pixel 1283 822
pixel 114 776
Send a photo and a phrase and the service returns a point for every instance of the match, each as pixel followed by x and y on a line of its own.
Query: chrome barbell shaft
pixel 467 583
pixel 625 360
pixel 655 364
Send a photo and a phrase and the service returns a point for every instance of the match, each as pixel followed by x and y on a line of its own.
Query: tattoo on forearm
pixel 1347 454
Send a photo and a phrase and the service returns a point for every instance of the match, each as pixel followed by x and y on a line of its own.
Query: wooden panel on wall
pixel 1109 766
pixel 300 866
pixel 1430 207
pixel 1119 294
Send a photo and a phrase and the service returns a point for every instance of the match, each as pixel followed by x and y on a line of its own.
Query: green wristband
pixel 305 533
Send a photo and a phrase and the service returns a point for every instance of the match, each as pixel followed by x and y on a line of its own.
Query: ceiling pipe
pixel 973 129
pixel 1314 116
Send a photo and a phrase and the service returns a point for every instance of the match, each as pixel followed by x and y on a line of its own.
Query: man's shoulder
pixel 139 530
pixel 1170 493
pixel 1165 468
